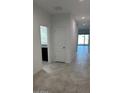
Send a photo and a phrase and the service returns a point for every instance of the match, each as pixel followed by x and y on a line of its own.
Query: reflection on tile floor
pixel 65 78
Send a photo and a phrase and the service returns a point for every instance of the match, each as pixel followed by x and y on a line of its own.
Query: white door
pixel 59 42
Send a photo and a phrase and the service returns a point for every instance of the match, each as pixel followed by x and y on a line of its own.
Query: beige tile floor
pixel 64 78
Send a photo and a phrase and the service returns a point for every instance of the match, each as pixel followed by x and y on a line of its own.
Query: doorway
pixel 44 43
pixel 60 48
pixel 83 47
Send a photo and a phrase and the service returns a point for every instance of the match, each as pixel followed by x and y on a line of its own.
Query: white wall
pixel 69 37
pixel 40 17
pixel 74 37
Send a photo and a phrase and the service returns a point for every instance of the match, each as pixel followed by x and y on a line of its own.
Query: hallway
pixel 82 53
pixel 65 78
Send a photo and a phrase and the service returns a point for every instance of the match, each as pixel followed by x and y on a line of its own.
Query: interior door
pixel 59 42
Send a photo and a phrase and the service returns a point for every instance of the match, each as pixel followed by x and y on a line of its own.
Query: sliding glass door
pixel 83 39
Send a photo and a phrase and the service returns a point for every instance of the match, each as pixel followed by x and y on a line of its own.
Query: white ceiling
pixel 75 7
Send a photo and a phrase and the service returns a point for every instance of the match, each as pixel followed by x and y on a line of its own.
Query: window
pixel 43 33
pixel 83 39
pixel 86 39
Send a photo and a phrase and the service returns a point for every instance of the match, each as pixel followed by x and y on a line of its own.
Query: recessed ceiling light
pixel 83 17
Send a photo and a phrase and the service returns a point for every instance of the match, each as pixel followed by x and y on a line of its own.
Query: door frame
pixel 48 46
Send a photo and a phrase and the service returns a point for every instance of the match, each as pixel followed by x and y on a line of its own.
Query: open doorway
pixel 83 47
pixel 44 43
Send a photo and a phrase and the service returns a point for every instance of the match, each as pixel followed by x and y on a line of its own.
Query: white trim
pixel 48 38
